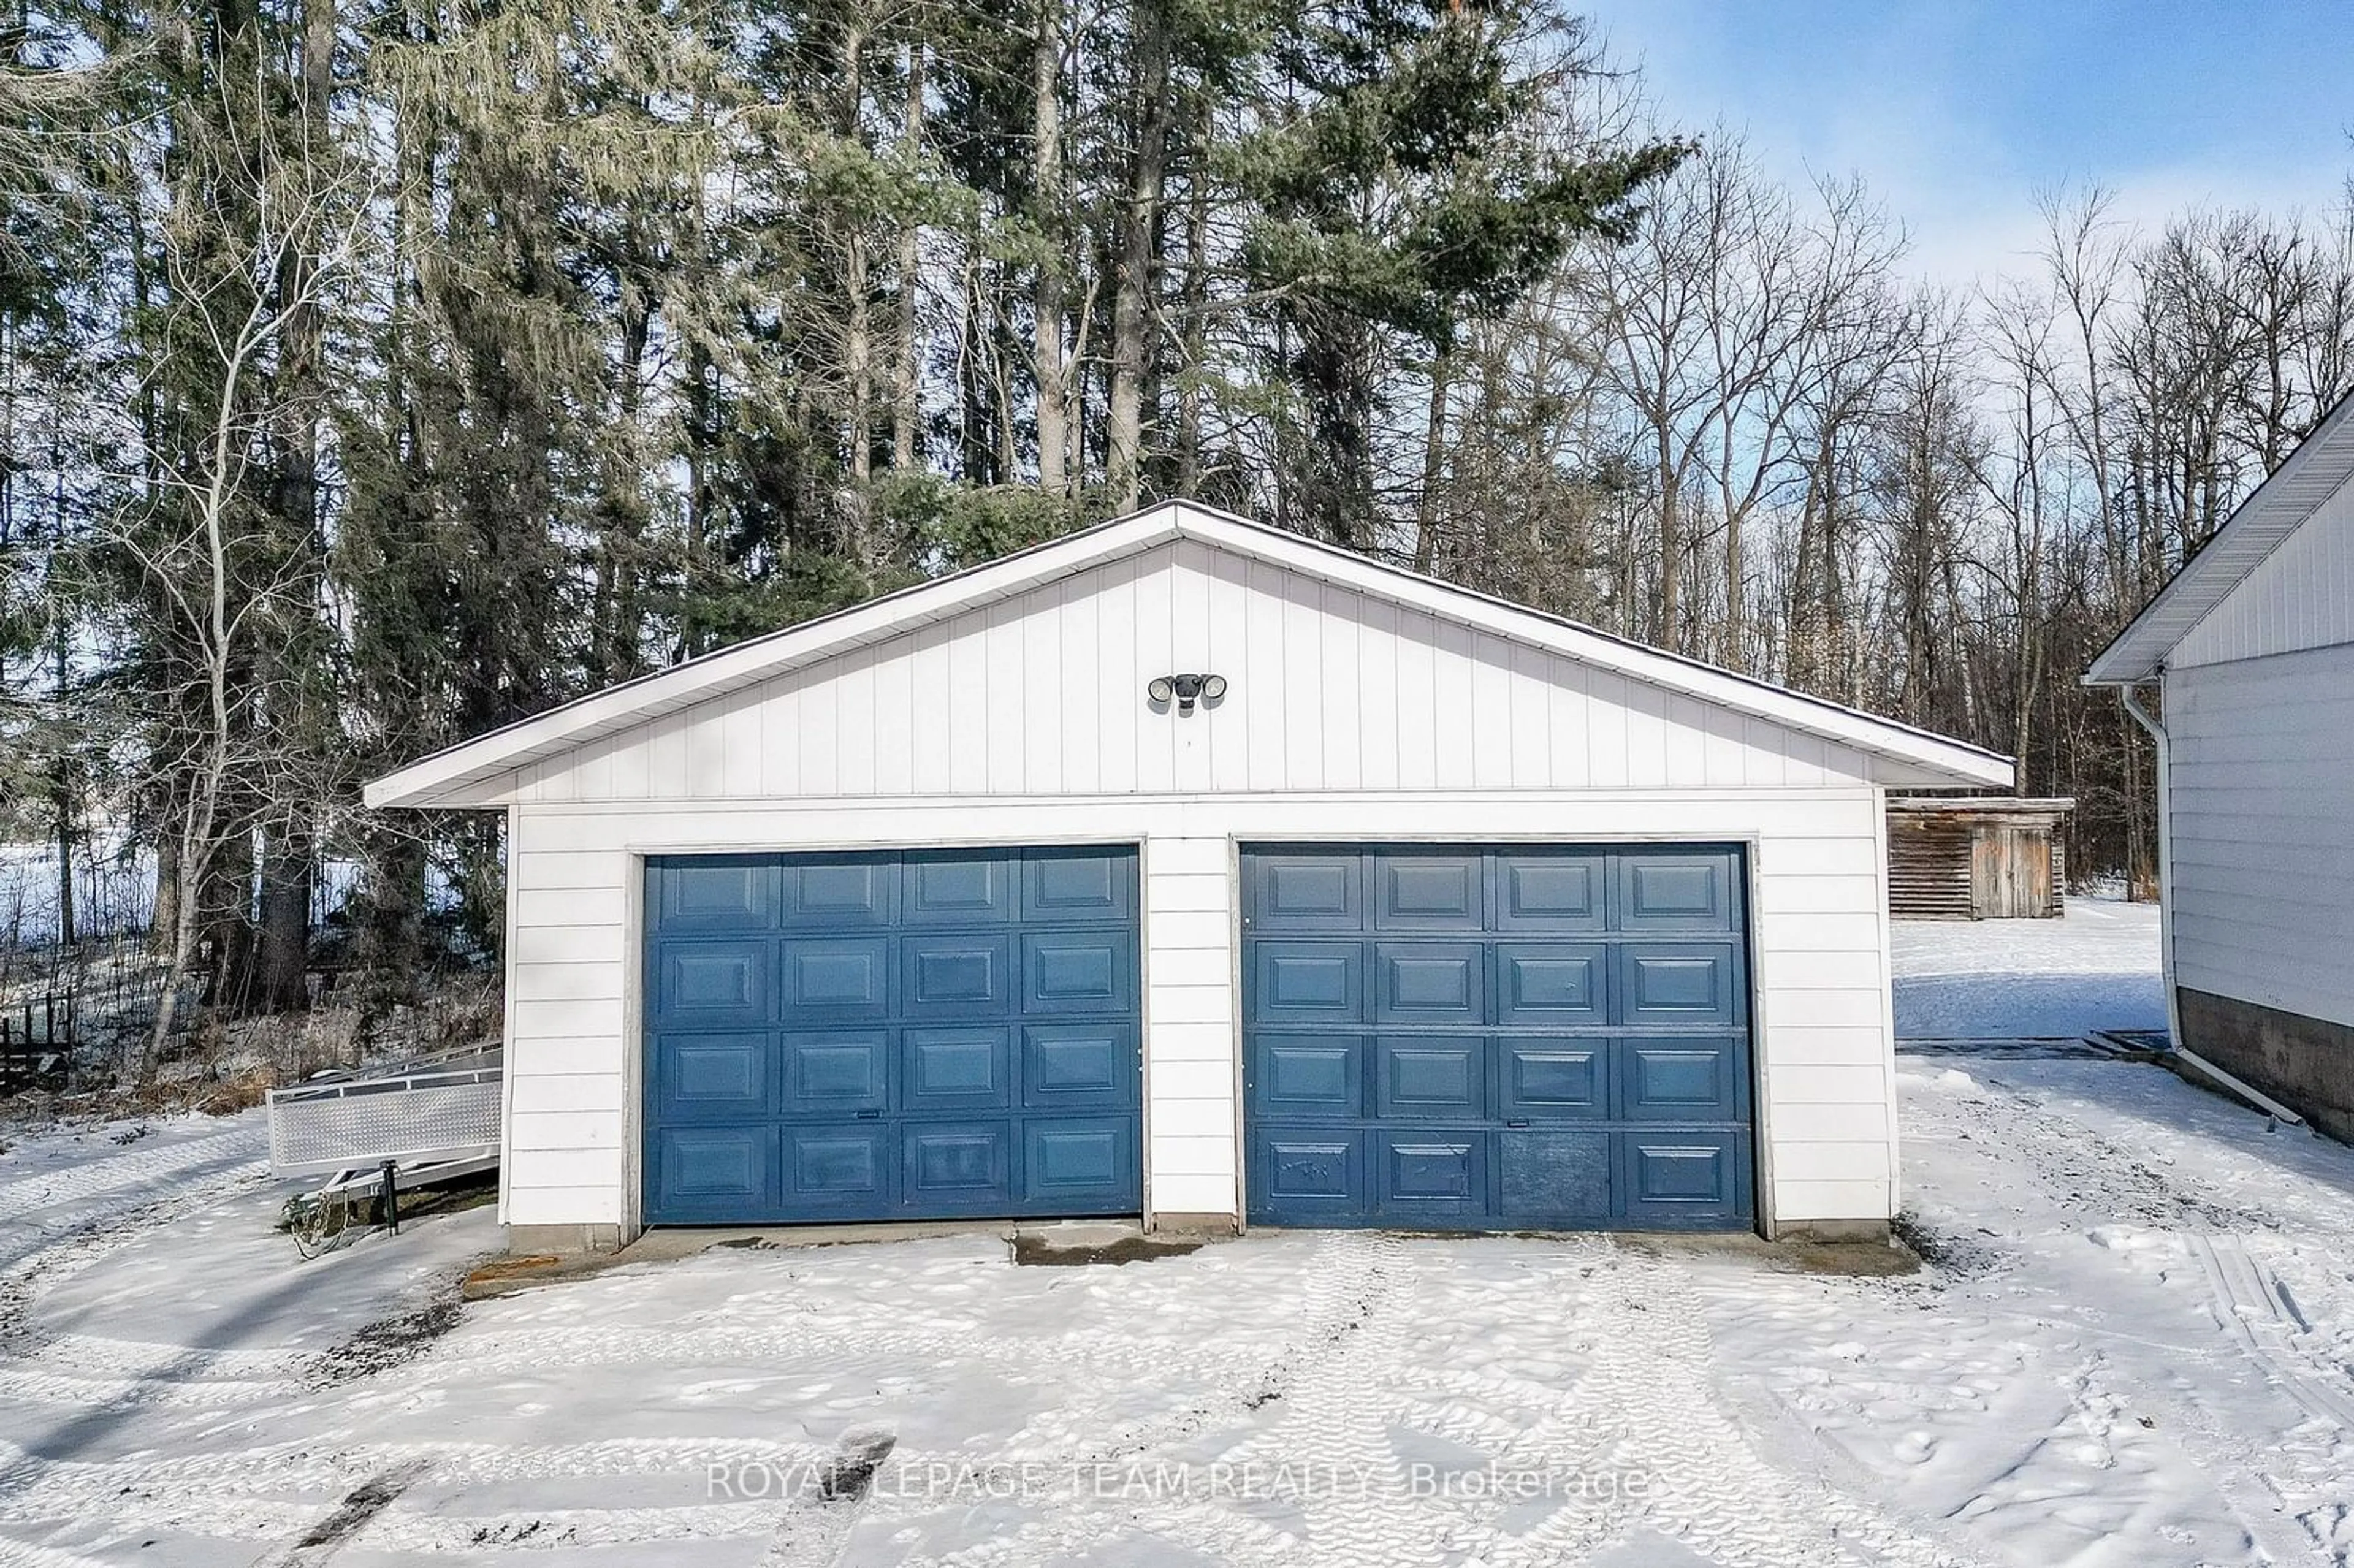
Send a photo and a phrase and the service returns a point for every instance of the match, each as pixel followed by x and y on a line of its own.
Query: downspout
pixel 2256 1097
pixel 2131 696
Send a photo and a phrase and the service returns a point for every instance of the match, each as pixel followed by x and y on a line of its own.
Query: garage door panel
pixel 835 980
pixel 843 1073
pixel 1428 892
pixel 1308 1075
pixel 960 1069
pixel 1078 971
pixel 893 1035
pixel 837 1172
pixel 948 1167
pixel 1430 982
pixel 1078 1067
pixel 1553 1080
pixel 1675 1180
pixel 1318 892
pixel 1076 886
pixel 967 975
pixel 1552 890
pixel 1682 1079
pixel 1551 1178
pixel 714 1077
pixel 1668 984
pixel 957 888
pixel 1578 1057
pixel 1309 982
pixel 1076 1160
pixel 713 1172
pixel 713 982
pixel 727 892
pixel 1677 891
pixel 835 895
pixel 1432 1077
pixel 1560 984
pixel 1308 1175
pixel 1437 1177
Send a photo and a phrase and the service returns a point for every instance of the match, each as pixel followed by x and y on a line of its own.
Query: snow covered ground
pixel 2132 1348
pixel 2096 968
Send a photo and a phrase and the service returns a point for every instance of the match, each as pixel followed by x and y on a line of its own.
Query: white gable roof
pixel 453 776
pixel 2321 466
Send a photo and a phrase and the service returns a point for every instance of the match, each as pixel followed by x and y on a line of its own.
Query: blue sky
pixel 1959 111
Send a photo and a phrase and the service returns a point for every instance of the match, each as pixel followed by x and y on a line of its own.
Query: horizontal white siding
pixel 2261 762
pixel 1191 1071
pixel 1821 975
pixel 1328 689
pixel 2301 595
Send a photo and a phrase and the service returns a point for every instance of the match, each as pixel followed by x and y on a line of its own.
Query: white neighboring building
pixel 2251 650
pixel 1442 913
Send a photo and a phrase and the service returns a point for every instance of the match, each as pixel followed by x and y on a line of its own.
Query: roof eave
pixel 456 775
pixel 2289 495
pixel 427 781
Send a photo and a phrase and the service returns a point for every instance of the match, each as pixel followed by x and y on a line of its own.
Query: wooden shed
pixel 1954 858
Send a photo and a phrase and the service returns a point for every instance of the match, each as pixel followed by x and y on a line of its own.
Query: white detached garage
pixel 1187 868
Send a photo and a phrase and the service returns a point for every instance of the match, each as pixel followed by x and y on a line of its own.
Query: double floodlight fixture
pixel 1185 691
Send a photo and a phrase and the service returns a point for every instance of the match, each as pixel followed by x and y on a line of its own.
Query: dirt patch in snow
pixel 389 1341
pixel 1037 1250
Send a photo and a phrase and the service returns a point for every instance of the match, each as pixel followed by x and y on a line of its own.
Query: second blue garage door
pixel 1467 1038
pixel 891 1036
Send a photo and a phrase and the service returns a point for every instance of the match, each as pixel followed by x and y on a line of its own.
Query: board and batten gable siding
pixel 1330 689
pixel 1818 937
pixel 2301 595
pixel 2261 789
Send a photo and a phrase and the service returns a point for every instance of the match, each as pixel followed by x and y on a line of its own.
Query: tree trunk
pixel 165 920
pixel 1736 597
pixel 858 331
pixel 1434 463
pixel 1196 305
pixel 1133 282
pixel 61 781
pixel 1669 633
pixel 907 411
pixel 285 938
pixel 1046 323
pixel 388 935
pixel 226 898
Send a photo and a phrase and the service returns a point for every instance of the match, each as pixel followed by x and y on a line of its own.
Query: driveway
pixel 2130 1346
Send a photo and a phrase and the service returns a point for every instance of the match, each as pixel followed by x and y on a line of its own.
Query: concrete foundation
pixel 562 1241
pixel 2307 1063
pixel 1195 1224
pixel 1843 1232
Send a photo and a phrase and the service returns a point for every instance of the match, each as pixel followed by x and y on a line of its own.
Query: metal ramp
pixel 374 1131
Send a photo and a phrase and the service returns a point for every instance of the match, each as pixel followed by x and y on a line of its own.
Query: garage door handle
pixel 1523 1122
pixel 868 1114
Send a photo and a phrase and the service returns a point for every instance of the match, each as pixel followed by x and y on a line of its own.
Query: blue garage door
pixel 1466 1038
pixel 908 1035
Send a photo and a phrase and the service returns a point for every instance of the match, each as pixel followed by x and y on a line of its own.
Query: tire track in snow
pixel 854 1340
pixel 271 1491
pixel 1351 1277
pixel 167 1387
pixel 2253 1309
pixel 2082 1171
pixel 26 1554
pixel 2298 1473
pixel 1653 1388
pixel 60 1186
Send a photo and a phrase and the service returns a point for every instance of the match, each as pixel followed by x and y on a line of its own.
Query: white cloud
pixel 1969 237
pixel 1960 163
